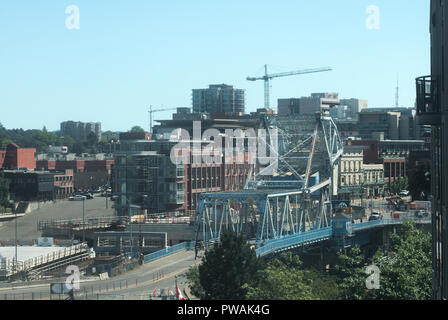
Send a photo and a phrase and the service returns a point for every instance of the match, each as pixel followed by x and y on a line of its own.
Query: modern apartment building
pixel 432 109
pixel 80 130
pixel 145 178
pixel 219 98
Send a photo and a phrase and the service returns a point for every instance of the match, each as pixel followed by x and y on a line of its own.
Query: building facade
pixel 317 102
pixel 220 98
pixel 81 130
pixel 432 109
pixel 14 158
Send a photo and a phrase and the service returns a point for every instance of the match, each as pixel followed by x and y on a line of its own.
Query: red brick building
pixel 14 158
pixel 63 184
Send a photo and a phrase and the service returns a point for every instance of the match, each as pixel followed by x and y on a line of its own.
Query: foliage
pixel 405 270
pixel 192 279
pixel 137 129
pixel 281 279
pixel 352 277
pixel 406 274
pixel 42 139
pixel 225 269
pixel 399 184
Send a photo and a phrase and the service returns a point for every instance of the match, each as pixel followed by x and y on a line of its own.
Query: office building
pixel 220 98
pixel 317 102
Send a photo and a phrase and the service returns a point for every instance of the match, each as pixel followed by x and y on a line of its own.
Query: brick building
pixel 14 157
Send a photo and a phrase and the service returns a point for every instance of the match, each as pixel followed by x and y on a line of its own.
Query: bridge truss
pixel 293 199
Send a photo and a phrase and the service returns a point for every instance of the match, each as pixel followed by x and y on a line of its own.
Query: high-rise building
pixel 80 130
pixel 432 109
pixel 219 98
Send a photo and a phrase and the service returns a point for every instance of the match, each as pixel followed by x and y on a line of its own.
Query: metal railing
pixel 295 240
pixel 428 100
pixel 187 245
pixel 9 267
pixel 382 222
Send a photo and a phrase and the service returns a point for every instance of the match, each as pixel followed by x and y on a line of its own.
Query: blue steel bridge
pixel 291 206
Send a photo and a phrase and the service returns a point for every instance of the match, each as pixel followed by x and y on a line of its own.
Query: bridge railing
pixel 380 222
pixel 293 240
pixel 187 245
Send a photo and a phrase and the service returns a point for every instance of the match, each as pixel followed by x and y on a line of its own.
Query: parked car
pixel 77 198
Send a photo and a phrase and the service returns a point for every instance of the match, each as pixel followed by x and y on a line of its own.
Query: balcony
pixel 428 101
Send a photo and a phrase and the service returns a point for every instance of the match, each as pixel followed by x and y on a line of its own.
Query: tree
pixel 351 273
pixel 405 271
pixel 137 129
pixel 281 279
pixel 399 184
pixel 225 269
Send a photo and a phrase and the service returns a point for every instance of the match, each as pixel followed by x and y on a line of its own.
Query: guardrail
pixel 187 245
pixel 9 267
pixel 381 222
pixel 97 221
pixel 295 240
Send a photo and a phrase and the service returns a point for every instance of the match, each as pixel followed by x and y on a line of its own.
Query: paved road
pixel 138 284
pixel 27 225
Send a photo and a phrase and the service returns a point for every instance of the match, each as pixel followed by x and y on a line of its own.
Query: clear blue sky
pixel 130 54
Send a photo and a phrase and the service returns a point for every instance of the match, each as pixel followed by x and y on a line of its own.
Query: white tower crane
pixel 151 111
pixel 268 77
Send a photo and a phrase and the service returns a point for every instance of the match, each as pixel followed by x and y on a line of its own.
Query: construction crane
pixel 268 77
pixel 151 111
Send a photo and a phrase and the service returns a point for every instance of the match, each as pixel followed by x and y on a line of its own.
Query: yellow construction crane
pixel 268 77
pixel 151 111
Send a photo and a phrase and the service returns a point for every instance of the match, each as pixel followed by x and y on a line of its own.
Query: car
pixel 77 198
pixel 375 216
pixel 421 214
pixel 404 193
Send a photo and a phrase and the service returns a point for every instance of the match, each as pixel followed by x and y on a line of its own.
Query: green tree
pixel 399 184
pixel 350 270
pixel 226 268
pixel 137 129
pixel 281 279
pixel 406 273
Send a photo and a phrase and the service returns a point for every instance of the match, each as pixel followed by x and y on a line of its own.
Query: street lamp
pixel 15 234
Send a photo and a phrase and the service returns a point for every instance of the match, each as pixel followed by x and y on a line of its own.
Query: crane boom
pixel 268 77
pixel 151 111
